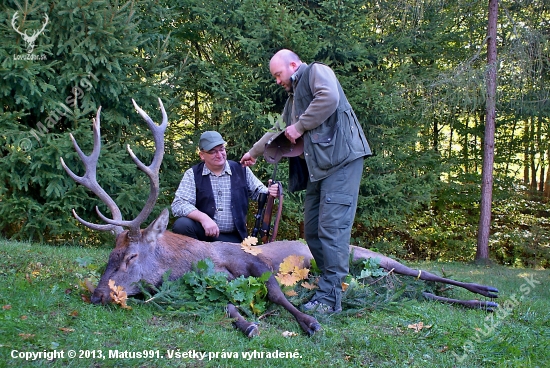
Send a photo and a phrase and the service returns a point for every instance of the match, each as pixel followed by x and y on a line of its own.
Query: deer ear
pixel 157 227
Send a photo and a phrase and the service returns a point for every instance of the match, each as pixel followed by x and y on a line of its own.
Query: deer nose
pixel 99 297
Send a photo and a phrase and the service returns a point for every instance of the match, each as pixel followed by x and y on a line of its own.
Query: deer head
pixel 30 40
pixel 89 179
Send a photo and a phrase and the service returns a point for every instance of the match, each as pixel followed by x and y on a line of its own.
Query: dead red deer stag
pixel 146 255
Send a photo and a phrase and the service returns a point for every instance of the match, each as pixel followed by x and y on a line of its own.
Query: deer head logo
pixel 29 39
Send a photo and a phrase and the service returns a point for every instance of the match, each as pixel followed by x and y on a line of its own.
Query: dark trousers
pixel 329 211
pixel 193 229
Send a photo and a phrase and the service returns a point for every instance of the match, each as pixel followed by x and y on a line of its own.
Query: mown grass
pixel 44 307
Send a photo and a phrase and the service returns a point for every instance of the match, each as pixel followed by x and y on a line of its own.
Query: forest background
pixel 414 71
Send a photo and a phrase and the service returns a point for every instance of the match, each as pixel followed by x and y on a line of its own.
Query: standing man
pixel 211 202
pixel 334 148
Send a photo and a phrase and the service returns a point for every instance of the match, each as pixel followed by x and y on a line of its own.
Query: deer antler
pixel 89 180
pixel 13 19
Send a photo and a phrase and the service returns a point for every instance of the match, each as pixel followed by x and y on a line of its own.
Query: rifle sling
pixel 279 213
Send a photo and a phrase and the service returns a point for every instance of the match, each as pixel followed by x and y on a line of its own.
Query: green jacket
pixel 332 134
pixel 320 111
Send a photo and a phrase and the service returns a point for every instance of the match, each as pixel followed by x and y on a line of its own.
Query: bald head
pixel 282 65
pixel 286 56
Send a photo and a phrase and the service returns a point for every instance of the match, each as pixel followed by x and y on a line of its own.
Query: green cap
pixel 209 140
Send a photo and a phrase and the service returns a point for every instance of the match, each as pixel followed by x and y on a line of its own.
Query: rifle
pixel 268 214
pixel 262 198
pixel 263 216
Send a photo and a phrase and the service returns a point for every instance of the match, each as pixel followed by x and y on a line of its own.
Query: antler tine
pixel 89 180
pixel 46 23
pixel 13 19
pixel 152 171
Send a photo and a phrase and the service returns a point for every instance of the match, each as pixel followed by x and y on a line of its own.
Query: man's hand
pixel 247 160
pixel 292 134
pixel 273 189
pixel 210 227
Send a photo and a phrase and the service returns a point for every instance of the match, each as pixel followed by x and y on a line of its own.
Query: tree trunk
pixel 482 253
pixel 546 192
pixel 526 164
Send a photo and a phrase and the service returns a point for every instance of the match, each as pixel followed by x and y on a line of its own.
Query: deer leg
pixel 390 264
pixel 474 304
pixel 308 323
pixel 274 293
pixel 400 268
pixel 250 329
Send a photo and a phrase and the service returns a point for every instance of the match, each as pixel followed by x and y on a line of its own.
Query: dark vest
pixel 239 195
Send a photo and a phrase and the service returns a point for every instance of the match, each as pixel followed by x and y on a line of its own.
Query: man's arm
pixel 324 86
pixel 255 186
pixel 185 197
pixel 258 148
pixel 209 226
pixel 256 151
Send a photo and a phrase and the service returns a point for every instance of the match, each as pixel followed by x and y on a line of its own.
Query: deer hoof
pixel 314 327
pixel 490 305
pixel 252 330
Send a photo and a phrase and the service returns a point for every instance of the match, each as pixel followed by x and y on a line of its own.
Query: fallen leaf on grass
pixel 291 293
pixel 66 329
pixel 308 286
pixel 26 336
pixel 289 334
pixel 6 307
pixel 89 285
pixel 118 295
pixel 345 286
pixel 286 279
pixel 417 327
pixel 248 245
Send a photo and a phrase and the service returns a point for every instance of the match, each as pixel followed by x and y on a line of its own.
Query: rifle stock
pixel 260 214
pixel 266 221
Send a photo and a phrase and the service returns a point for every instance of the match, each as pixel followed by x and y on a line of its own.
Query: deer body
pixel 146 255
pixel 163 251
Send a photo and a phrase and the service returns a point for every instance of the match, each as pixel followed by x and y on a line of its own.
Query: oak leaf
pixel 417 327
pixel 302 273
pixel 248 245
pixel 308 285
pixel 286 279
pixel 292 270
pixel 118 294
pixel 290 263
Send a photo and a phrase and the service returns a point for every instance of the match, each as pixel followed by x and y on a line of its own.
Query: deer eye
pixel 130 258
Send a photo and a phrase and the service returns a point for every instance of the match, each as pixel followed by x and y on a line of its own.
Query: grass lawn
pixel 44 310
